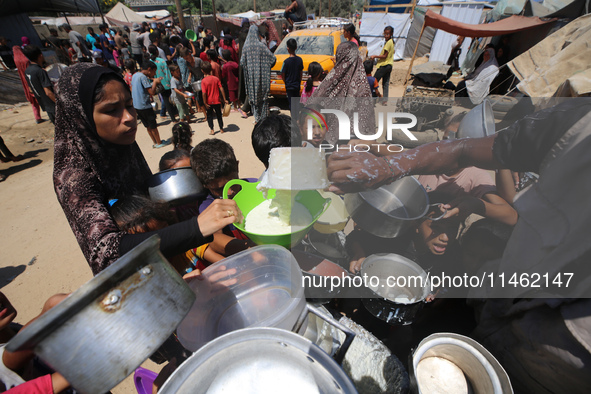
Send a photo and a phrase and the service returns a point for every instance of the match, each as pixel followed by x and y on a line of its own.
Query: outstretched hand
pixel 353 172
pixel 218 215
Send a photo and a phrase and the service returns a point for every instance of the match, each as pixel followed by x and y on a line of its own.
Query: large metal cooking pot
pixel 327 245
pixel 261 360
pixel 175 186
pixel 109 326
pixel 399 291
pixel 477 368
pixel 318 288
pixel 391 210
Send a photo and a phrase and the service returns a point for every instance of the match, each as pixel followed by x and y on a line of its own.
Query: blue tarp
pixel 398 10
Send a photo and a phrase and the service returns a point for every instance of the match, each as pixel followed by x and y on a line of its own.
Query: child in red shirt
pixel 230 72
pixel 210 88
pixel 213 59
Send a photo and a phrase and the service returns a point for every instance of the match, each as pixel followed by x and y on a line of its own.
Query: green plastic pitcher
pixel 249 197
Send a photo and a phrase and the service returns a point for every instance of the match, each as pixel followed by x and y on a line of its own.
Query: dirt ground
pixel 39 254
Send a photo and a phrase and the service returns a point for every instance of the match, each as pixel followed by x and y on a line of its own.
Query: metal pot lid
pixel 130 263
pixel 259 360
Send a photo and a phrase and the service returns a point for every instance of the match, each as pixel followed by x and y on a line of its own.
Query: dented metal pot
pixel 104 330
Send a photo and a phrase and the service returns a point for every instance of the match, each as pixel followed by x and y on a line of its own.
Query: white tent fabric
pixel 248 14
pixel 564 56
pixel 124 14
pixel 73 20
pixel 444 41
pixel 154 14
pixel 372 30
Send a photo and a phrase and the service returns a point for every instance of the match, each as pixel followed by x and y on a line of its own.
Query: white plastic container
pixel 259 287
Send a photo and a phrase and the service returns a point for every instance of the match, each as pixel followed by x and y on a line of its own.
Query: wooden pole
pixel 215 18
pixel 100 10
pixel 329 7
pixel 320 9
pixel 413 57
pixel 255 6
pixel 179 12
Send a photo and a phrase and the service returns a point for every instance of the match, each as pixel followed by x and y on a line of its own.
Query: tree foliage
pixel 342 8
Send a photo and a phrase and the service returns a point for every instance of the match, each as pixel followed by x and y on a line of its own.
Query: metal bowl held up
pixel 260 360
pixel 447 362
pixel 104 330
pixel 479 122
pixel 391 210
pixel 175 186
pixel 399 289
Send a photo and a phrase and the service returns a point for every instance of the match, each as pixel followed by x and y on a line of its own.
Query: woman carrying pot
pixel 97 159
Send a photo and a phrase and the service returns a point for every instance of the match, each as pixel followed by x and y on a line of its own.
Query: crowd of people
pixel 100 174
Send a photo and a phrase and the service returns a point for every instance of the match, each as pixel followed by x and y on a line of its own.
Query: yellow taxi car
pixel 314 45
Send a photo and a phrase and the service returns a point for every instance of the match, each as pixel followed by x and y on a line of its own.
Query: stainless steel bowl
pixel 391 210
pixel 259 360
pixel 104 330
pixel 479 122
pixel 175 186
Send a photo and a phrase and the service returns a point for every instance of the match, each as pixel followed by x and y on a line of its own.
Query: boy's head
pixel 226 55
pixel 138 214
pixel 292 45
pixel 368 66
pixel 435 236
pixel 33 53
pixel 174 159
pixel 206 68
pixel 149 68
pixel 212 55
pixel 306 120
pixel 274 131
pixel 130 65
pixel 207 42
pixel 215 164
pixel 175 71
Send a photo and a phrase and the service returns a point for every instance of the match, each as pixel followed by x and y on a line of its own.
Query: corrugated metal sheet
pixel 444 41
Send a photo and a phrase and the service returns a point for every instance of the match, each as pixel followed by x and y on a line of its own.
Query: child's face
pixel 436 236
pixel 318 132
pixel 176 74
pixel 216 187
pixel 387 34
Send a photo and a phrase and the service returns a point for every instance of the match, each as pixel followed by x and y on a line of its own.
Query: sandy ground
pixel 39 254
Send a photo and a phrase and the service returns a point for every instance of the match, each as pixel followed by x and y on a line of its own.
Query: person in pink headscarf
pixel 21 62
pixel 25 40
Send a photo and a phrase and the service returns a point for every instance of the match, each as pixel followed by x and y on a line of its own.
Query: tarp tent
pixel 372 31
pixel 509 25
pixel 10 7
pixel 121 13
pixel 444 41
pixel 558 65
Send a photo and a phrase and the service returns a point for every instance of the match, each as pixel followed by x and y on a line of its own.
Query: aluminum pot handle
pixel 349 335
pixel 439 217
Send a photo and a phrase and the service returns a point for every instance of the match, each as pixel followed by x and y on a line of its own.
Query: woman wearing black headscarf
pixel 346 88
pixel 97 159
